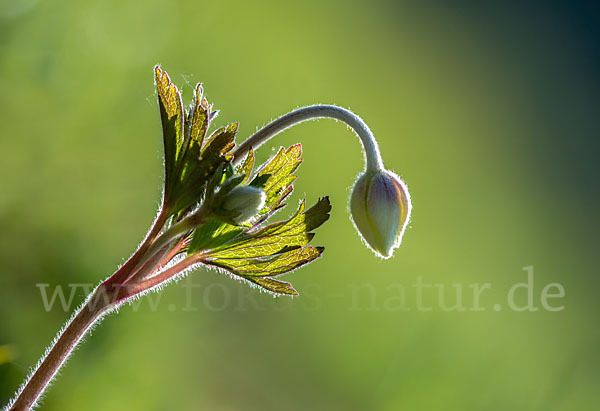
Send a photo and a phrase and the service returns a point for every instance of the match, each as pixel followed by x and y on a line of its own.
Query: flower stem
pixel 149 257
pixel 89 314
pixel 126 270
pixel 372 156
pixel 152 266
pixel 181 267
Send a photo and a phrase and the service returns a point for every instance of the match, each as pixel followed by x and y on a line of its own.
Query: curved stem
pixel 89 314
pixel 105 298
pixel 372 156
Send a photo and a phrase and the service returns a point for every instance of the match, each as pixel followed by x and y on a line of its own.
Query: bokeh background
pixel 488 110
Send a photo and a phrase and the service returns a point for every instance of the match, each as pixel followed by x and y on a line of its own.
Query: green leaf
pixel 260 181
pixel 276 176
pixel 246 167
pixel 196 125
pixel 198 169
pixel 272 250
pixel 203 236
pixel 216 150
pixel 212 234
pixel 274 286
pixel 172 118
pixel 273 266
pixel 213 182
pixel 273 238
pixel 199 117
pixel 191 159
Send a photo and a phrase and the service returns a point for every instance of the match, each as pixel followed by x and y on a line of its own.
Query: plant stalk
pixel 373 159
pixel 88 315
pixel 126 282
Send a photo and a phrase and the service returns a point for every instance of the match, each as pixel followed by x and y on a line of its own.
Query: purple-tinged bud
pixel 380 208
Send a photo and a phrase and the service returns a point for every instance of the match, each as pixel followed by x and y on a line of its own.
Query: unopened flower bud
pixel 380 208
pixel 244 202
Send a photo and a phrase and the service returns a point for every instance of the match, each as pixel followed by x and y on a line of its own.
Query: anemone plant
pixel 216 211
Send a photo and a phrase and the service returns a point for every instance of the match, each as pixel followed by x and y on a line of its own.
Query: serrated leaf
pixel 216 150
pixel 276 177
pixel 302 221
pixel 273 238
pixel 246 167
pixel 199 117
pixel 196 126
pixel 273 250
pixel 191 159
pixel 273 266
pixel 260 181
pixel 172 118
pixel 212 234
pixel 274 286
pixel 198 169
pixel 221 141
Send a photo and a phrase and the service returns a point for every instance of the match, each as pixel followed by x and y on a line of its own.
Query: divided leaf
pixel 172 118
pixel 276 177
pixel 211 235
pixel 274 286
pixel 273 250
pixel 199 169
pixel 199 117
pixel 270 266
pixel 196 125
pixel 246 167
pixel 189 160
pixel 219 144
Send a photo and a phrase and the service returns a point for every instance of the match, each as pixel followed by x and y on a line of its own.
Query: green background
pixel 488 110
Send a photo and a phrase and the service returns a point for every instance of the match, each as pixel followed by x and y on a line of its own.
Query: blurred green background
pixel 488 110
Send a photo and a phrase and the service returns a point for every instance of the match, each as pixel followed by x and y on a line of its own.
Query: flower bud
pixel 380 208
pixel 244 202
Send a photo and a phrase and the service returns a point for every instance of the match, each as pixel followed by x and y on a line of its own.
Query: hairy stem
pixel 90 313
pixel 153 265
pixel 372 156
pixel 154 251
pixel 148 259
pixel 167 274
pixel 122 274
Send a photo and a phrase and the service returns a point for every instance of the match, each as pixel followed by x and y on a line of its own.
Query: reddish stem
pixel 149 268
pixel 163 275
pixel 105 297
pixel 89 314
pixel 125 271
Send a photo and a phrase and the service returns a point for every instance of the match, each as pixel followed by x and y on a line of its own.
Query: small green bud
pixel 380 208
pixel 244 202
